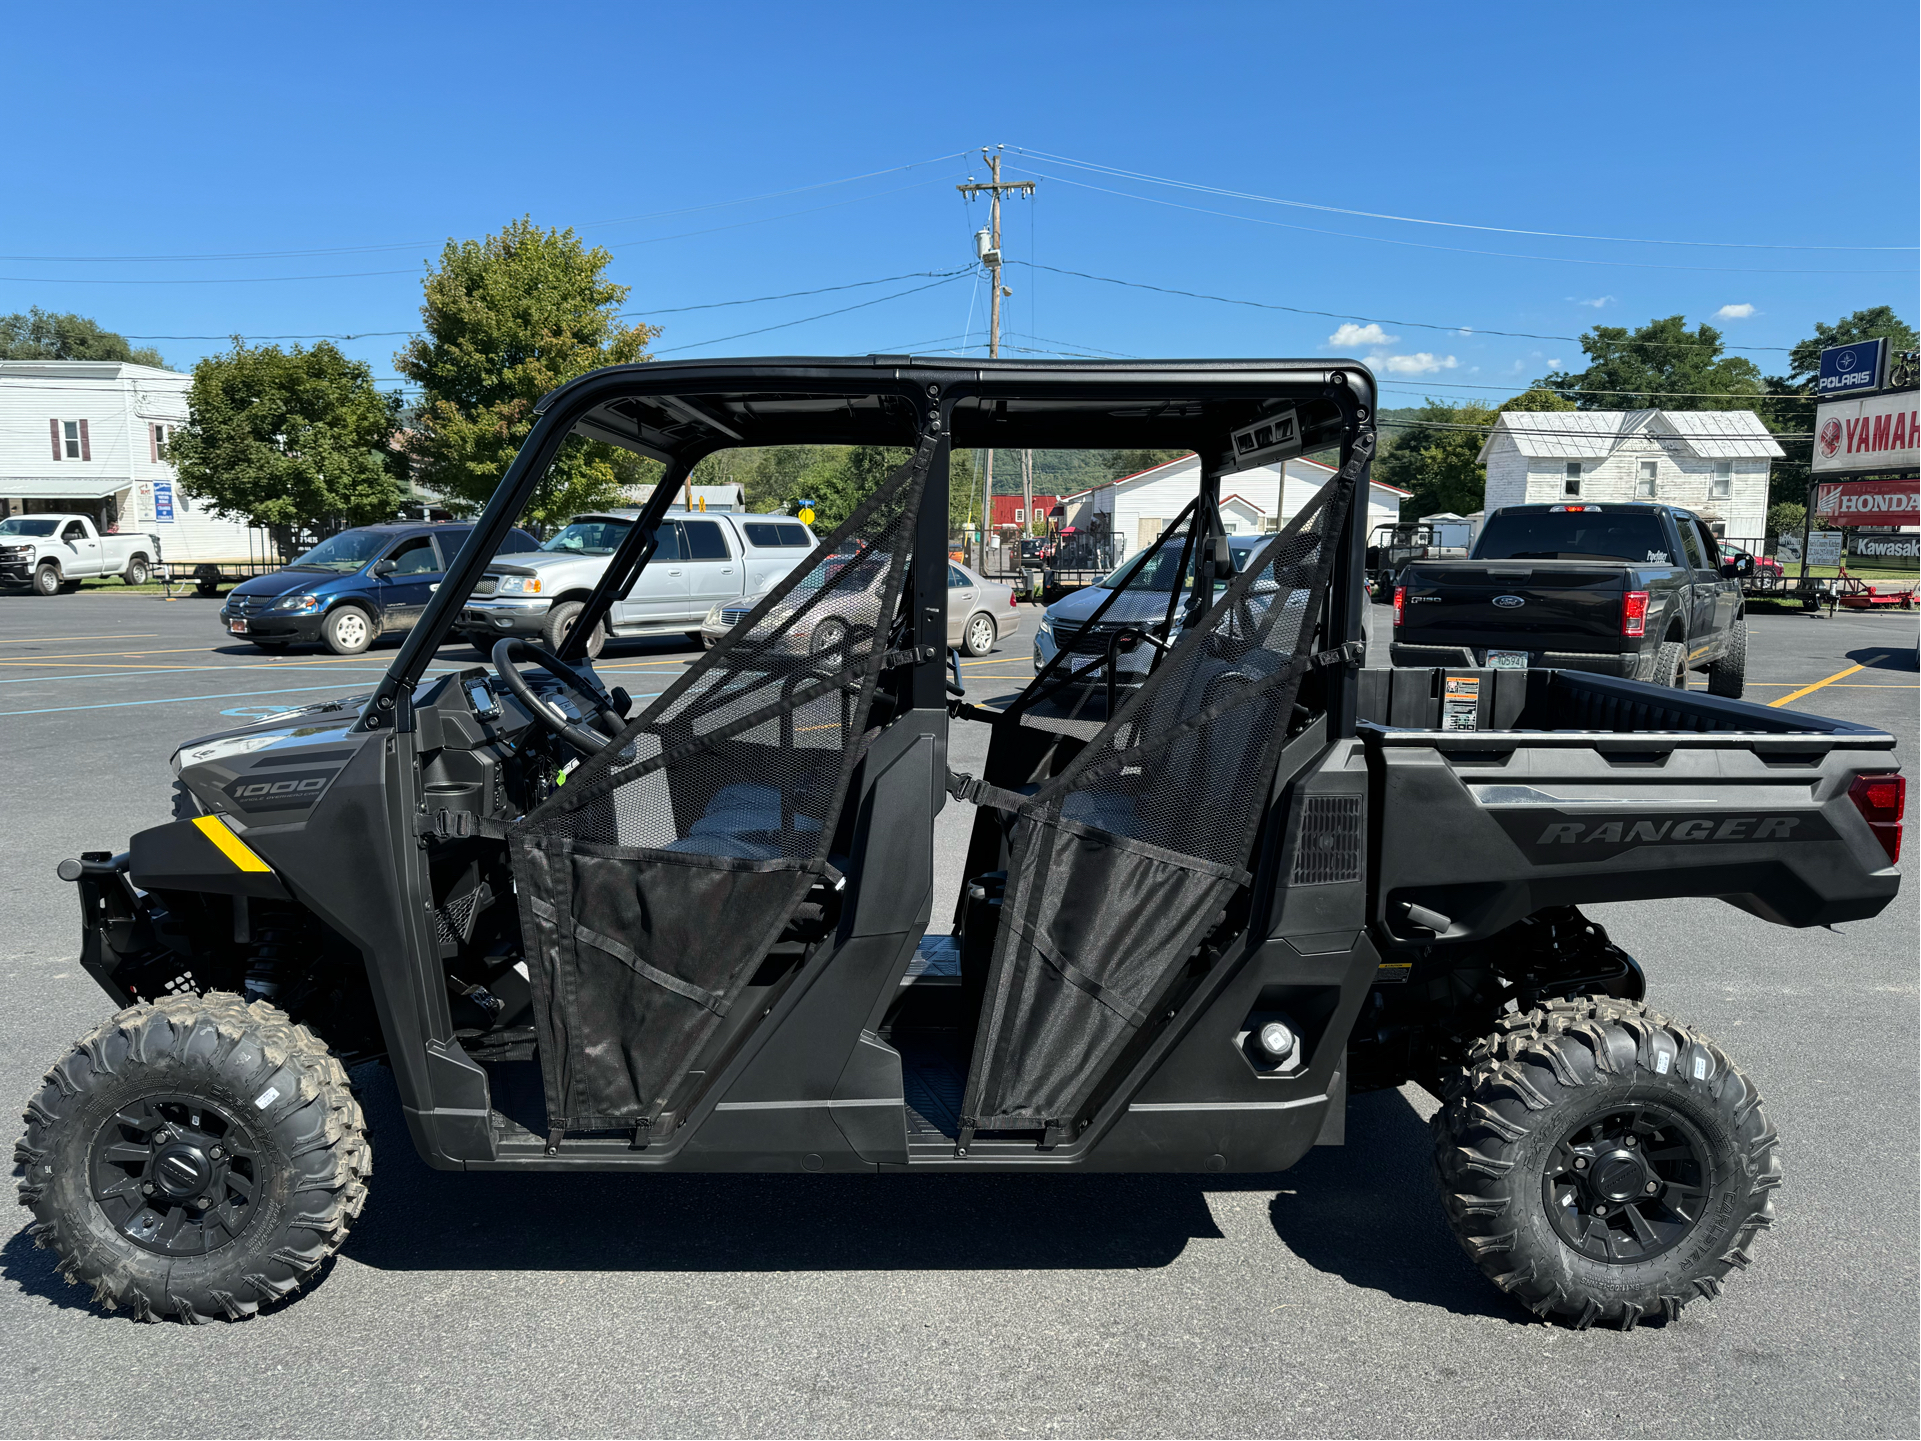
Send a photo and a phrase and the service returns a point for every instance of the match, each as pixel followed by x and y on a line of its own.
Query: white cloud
pixel 1599 301
pixel 1554 362
pixel 1734 312
pixel 1422 362
pixel 1351 336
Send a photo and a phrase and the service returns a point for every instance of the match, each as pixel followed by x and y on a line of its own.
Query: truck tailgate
pixel 1543 605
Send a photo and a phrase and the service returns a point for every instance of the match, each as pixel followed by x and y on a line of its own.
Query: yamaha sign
pixel 1873 434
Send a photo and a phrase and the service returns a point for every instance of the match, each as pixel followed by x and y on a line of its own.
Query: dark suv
pixel 353 586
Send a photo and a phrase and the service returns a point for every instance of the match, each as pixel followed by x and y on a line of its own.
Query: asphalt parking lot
pixel 1327 1300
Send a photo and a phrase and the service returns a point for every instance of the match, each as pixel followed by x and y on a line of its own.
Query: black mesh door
pixel 1124 862
pixel 653 883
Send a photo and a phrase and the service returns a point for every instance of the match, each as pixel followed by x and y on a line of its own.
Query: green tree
pixel 1880 322
pixel 1661 365
pixel 1539 398
pixel 40 335
pixel 1433 456
pixel 293 440
pixel 507 319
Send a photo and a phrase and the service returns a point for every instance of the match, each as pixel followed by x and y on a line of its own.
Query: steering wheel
pixel 600 706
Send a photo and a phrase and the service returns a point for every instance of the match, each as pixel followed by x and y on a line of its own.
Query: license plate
pixel 237 627
pixel 1507 660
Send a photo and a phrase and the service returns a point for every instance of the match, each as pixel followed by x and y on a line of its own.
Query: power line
pixel 768 219
pixel 1114 170
pixel 216 280
pixel 791 294
pixel 1585 434
pixel 1462 250
pixel 1463 330
pixel 786 324
pixel 414 244
pixel 1595 390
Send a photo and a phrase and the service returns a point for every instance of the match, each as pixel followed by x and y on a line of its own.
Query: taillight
pixel 1013 600
pixel 1400 603
pixel 1634 613
pixel 1882 800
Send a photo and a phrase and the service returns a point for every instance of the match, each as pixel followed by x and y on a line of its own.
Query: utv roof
pixel 675 408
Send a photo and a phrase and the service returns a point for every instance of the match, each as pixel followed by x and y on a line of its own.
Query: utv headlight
pixel 518 585
pixel 297 604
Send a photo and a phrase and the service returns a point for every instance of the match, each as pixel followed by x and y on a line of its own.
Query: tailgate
pixel 1528 605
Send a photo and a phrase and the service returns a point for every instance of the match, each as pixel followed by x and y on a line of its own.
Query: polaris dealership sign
pixel 1873 433
pixel 1856 369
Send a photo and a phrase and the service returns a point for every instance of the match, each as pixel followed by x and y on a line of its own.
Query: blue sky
pixel 377 132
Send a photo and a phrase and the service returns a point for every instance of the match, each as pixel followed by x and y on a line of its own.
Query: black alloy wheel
pixel 177 1174
pixel 1627 1185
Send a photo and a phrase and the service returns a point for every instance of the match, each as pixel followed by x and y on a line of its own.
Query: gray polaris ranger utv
pixel 1220 877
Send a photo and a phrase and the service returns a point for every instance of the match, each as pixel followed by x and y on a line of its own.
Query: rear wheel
pixel 980 635
pixel 1728 675
pixel 348 630
pixel 138 572
pixel 197 1157
pixel 560 624
pixel 1670 665
pixel 1600 1162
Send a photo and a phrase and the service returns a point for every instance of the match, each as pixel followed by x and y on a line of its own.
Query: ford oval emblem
pixel 1508 602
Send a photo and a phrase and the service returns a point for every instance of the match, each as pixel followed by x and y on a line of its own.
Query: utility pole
pixel 987 245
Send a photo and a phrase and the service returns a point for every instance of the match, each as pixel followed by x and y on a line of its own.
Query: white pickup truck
pixel 48 553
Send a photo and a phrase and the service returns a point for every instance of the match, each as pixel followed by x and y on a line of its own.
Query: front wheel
pixel 1600 1162
pixel 560 624
pixel 197 1157
pixel 46 580
pixel 348 630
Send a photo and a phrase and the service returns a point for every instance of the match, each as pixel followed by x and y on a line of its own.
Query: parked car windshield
pixel 345 553
pixel 1157 567
pixel 1630 535
pixel 22 525
pixel 590 537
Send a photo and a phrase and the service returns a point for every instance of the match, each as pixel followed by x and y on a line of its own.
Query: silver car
pixel 980 613
pixel 1148 575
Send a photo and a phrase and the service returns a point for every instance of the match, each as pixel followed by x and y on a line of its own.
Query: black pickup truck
pixel 1638 591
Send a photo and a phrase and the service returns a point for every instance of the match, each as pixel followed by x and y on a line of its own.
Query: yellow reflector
pixel 230 845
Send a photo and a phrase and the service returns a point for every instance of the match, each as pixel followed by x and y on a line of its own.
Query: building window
pixel 70 440
pixel 1020 516
pixel 1644 478
pixel 157 436
pixel 1722 486
pixel 1718 529
pixel 1571 481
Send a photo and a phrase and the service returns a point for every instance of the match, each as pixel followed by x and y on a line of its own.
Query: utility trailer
pixel 1201 907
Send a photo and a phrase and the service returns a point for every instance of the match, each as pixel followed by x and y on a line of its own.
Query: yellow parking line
pixel 1810 689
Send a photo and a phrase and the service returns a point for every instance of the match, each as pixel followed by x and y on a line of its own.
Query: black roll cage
pixel 1002 404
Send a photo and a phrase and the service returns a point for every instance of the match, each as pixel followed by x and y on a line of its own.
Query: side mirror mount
pixel 1735 569
pixel 384 568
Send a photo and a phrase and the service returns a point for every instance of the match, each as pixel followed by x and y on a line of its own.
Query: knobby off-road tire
pixel 194 1091
pixel 1728 675
pixel 1670 666
pixel 1601 1121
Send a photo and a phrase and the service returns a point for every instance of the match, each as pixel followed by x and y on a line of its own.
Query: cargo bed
pixel 1498 793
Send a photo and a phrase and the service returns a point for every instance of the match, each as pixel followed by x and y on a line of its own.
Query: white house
pixel 88 436
pixel 1137 507
pixel 1712 462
